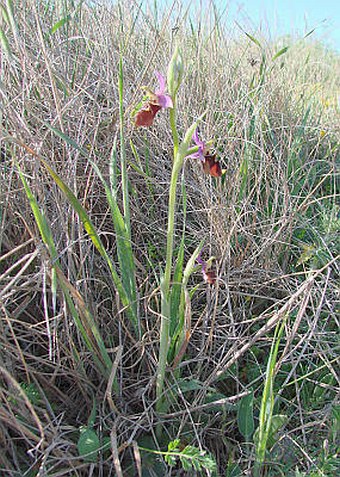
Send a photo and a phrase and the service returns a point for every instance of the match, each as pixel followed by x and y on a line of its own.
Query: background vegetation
pixel 256 390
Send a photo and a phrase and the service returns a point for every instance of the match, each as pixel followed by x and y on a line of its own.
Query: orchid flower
pixel 209 276
pixel 157 100
pixel 209 162
pixel 202 149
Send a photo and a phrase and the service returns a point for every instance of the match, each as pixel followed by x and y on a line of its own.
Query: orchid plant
pixel 144 117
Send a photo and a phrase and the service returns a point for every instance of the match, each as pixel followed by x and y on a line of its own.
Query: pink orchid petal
pixel 197 155
pixel 195 137
pixel 161 81
pixel 164 100
pixel 197 140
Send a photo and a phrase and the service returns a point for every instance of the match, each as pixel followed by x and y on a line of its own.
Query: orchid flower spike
pixel 157 100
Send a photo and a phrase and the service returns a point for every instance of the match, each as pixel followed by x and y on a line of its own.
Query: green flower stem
pixel 165 288
pixel 174 128
pixel 165 285
pixel 171 222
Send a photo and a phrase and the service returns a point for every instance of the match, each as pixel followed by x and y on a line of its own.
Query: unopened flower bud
pixel 175 72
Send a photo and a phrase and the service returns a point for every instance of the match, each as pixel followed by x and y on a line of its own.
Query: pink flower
pixel 202 149
pixel 210 164
pixel 157 100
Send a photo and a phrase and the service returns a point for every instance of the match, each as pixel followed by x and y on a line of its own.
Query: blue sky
pixel 297 16
pixel 281 17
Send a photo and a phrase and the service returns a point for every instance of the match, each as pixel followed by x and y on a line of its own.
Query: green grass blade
pixel 113 170
pixel 39 217
pixel 267 403
pixel 125 181
pixel 124 248
pixel 90 229
pixel 84 329
pixel 47 238
pixel 5 44
pixel 280 52
pixel 59 24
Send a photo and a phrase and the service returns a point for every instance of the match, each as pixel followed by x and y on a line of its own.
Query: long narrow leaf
pixel 280 52
pixel 86 331
pixel 124 248
pixel 178 272
pixel 90 229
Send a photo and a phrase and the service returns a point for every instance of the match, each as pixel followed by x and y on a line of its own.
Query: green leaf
pixel 277 422
pixel 233 470
pixel 280 52
pixel 90 229
pixel 59 24
pixel 170 460
pixel 320 390
pixel 245 416
pixel 254 40
pixel 177 317
pixel 214 398
pixel 309 33
pixel 39 217
pixel 5 43
pixel 173 446
pixel 46 235
pixel 308 252
pixel 188 137
pixel 88 445
pixel 92 418
pixel 124 247
pixel 192 384
pixel 4 14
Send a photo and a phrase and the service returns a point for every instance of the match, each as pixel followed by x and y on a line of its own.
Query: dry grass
pixel 278 144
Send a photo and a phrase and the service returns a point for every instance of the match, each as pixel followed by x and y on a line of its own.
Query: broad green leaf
pixel 177 336
pixel 277 422
pixel 88 445
pixel 245 416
